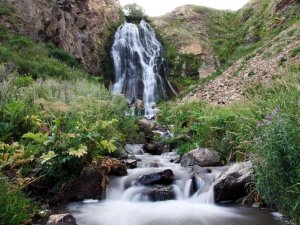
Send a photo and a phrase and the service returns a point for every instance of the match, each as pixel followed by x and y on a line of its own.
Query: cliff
pixel 80 27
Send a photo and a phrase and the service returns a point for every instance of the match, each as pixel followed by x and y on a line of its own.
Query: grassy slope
pixel 265 127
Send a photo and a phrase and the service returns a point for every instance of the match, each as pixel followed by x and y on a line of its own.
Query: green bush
pixel 277 168
pixel 14 208
pixel 5 11
pixel 64 57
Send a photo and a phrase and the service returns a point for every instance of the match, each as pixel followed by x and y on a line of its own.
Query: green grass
pixel 36 59
pixel 5 11
pixel 264 128
pixel 295 52
pixel 14 208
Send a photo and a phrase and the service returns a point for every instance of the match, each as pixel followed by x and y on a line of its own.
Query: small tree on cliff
pixel 134 12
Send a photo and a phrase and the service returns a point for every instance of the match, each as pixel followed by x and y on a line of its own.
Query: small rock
pixel 44 213
pixel 164 177
pixel 160 193
pixel 62 219
pixel 131 163
pixel 201 157
pixel 134 149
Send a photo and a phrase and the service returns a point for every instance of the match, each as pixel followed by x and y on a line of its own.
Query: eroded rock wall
pixel 78 26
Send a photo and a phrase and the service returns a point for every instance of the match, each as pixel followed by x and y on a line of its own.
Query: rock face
pixel 77 26
pixel 200 157
pixel 61 219
pixel 232 185
pixel 190 35
pixel 165 177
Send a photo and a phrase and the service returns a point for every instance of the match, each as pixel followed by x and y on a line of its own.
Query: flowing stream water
pixel 140 70
pixel 128 202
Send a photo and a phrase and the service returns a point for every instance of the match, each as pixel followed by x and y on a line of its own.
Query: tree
pixel 134 12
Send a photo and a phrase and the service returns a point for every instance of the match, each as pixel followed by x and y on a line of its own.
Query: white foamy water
pixel 127 202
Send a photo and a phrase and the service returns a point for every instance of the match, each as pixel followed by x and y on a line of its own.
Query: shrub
pixel 64 57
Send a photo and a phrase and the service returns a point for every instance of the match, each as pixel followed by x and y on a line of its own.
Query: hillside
pixel 83 28
pixel 220 38
pixel 248 109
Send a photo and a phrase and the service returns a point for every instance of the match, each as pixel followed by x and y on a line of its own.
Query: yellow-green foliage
pixel 63 124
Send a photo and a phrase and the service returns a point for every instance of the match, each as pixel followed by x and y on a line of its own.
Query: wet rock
pixel 114 167
pixel 164 177
pixel 145 126
pixel 201 157
pixel 152 164
pixel 134 149
pixel 131 163
pixel 151 149
pixel 91 184
pixel 232 185
pixel 157 148
pixel 62 219
pixel 44 213
pixel 160 193
pixel 199 169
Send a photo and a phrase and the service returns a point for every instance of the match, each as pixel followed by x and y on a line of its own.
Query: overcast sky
pixel 160 7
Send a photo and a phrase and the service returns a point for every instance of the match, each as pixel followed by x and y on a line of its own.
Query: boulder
pixel 91 184
pixel 134 149
pixel 145 127
pixel 164 177
pixel 157 148
pixel 62 219
pixel 114 167
pixel 160 193
pixel 201 157
pixel 232 185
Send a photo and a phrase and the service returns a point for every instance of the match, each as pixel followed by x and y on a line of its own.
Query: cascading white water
pixel 140 69
pixel 127 202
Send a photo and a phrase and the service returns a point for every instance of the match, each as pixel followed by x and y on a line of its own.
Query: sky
pixel 161 7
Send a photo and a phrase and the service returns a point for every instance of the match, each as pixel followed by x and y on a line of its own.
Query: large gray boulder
pixel 232 185
pixel 201 157
pixel 62 219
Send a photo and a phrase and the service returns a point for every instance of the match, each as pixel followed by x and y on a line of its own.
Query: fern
pixel 38 137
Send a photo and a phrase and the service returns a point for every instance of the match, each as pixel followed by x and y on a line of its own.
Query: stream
pixel 129 202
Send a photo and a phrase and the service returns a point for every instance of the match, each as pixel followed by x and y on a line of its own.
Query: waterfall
pixel 140 70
